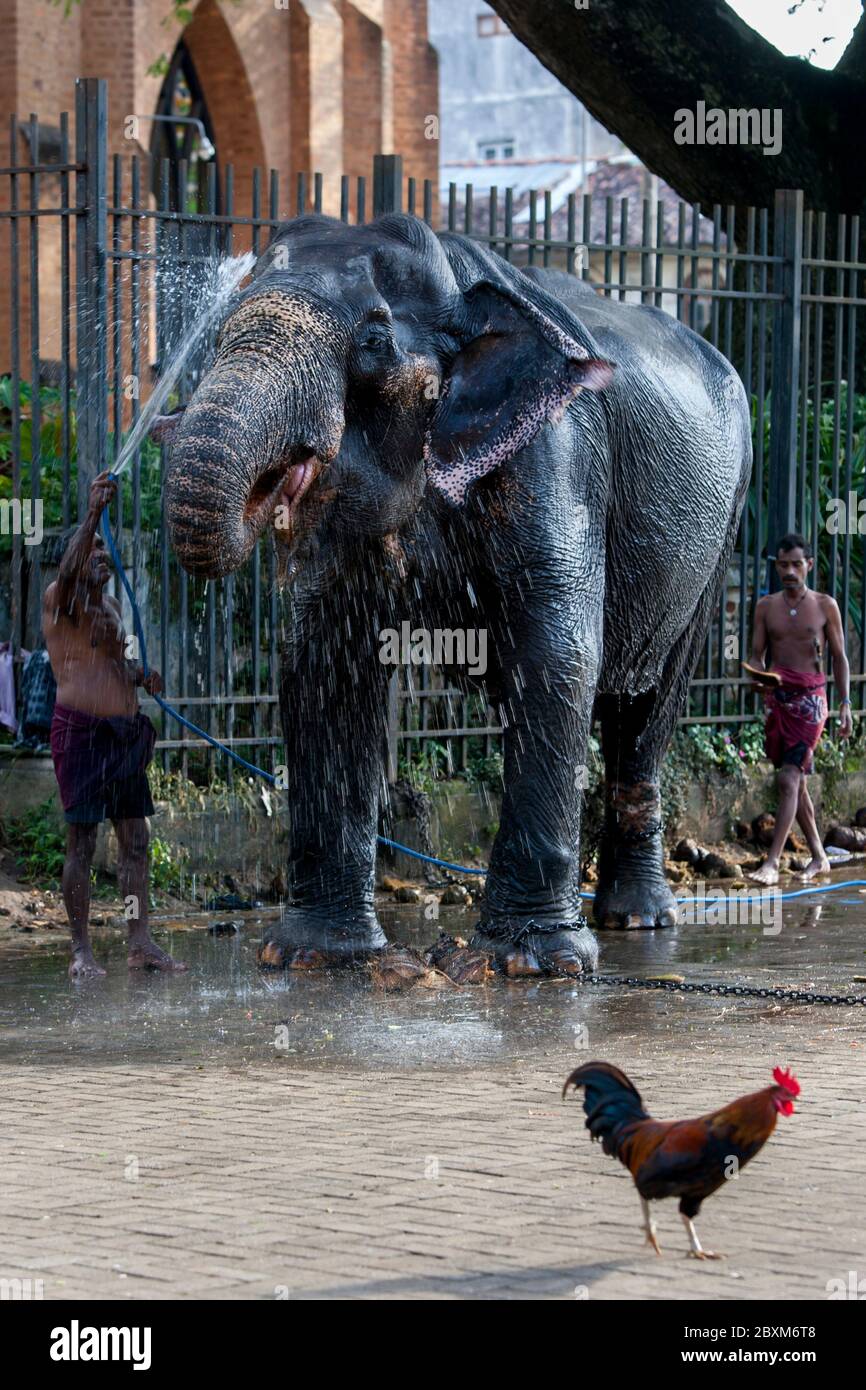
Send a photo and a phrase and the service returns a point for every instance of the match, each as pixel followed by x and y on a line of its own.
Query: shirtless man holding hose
pixel 101 743
pixel 791 630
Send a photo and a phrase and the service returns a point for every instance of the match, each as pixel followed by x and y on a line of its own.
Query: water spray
pixel 229 274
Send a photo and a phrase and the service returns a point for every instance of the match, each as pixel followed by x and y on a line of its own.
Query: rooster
pixel 688 1159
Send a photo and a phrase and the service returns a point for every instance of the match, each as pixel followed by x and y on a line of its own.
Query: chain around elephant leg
pixel 523 949
pixel 632 889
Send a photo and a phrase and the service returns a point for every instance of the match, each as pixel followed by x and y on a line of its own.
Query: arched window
pixel 183 130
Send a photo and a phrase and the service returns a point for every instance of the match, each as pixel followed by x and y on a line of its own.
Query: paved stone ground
pixel 287 1180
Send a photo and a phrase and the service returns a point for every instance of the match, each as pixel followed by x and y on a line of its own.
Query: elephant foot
pixel 299 942
pixel 522 951
pixel 633 893
pixel 464 965
pixel 634 904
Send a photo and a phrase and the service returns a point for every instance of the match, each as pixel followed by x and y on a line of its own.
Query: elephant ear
pixel 516 369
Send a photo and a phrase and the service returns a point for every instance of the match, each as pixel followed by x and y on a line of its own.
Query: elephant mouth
pixel 277 494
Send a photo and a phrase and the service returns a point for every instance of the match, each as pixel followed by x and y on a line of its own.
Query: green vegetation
pixel 52 488
pixel 696 751
pixel 424 767
pixel 707 746
pixel 38 843
pixel 834 760
pixel 50 450
pixel 183 794
pixel 167 867
pixel 698 755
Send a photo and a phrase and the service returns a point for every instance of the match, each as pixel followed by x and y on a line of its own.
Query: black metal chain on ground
pixel 797 996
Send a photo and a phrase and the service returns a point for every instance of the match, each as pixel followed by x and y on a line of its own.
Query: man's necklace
pixel 794 611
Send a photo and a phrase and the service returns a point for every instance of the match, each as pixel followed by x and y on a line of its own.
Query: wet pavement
pixel 235 1134
pixel 225 1009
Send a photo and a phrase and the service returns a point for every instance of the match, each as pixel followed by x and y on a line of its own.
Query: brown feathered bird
pixel 688 1159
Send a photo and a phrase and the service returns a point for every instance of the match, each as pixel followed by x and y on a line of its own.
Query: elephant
pixel 436 436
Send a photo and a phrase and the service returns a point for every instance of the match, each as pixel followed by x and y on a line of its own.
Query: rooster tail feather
pixel 610 1101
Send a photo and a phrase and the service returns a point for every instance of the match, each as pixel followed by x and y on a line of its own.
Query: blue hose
pixel 382 840
pixel 428 858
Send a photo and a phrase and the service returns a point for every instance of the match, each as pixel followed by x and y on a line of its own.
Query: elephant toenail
pixel 565 963
pixel 519 964
pixel 309 959
pixel 271 956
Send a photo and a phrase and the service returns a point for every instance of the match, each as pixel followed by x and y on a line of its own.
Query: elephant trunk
pixel 268 411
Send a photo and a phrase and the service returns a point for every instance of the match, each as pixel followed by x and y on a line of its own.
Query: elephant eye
pixel 374 337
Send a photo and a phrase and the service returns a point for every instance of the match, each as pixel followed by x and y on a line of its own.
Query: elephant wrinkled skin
pixel 439 438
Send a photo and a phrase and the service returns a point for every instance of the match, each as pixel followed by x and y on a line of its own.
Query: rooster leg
pixel 649 1226
pixel 697 1251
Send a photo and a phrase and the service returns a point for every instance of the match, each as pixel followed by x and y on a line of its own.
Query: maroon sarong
pixel 100 764
pixel 796 712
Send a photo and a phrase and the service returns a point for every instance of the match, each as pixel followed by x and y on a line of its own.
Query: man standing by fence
pixel 101 743
pixel 791 630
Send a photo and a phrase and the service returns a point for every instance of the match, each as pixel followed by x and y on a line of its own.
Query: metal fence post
pixel 91 300
pixel 785 396
pixel 387 183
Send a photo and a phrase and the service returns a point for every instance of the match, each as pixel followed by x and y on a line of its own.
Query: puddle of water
pixel 226 1011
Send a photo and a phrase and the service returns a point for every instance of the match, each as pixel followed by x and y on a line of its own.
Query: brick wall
pixel 299 88
pixel 293 85
pixel 362 94
pixel 414 80
pixel 229 97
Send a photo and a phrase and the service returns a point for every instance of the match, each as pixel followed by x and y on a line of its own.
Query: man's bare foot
pixel 768 875
pixel 82 966
pixel 818 865
pixel 146 955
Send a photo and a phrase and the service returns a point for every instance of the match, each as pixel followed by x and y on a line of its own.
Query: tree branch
pixel 635 64
pixel 853 60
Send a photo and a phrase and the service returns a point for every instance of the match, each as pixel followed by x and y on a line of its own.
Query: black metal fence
pixel 103 281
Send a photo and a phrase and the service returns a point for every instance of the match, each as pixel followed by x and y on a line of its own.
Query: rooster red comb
pixel 786 1079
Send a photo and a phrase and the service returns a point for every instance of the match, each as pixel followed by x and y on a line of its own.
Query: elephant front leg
pixel 532 920
pixel 333 703
pixel 632 889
